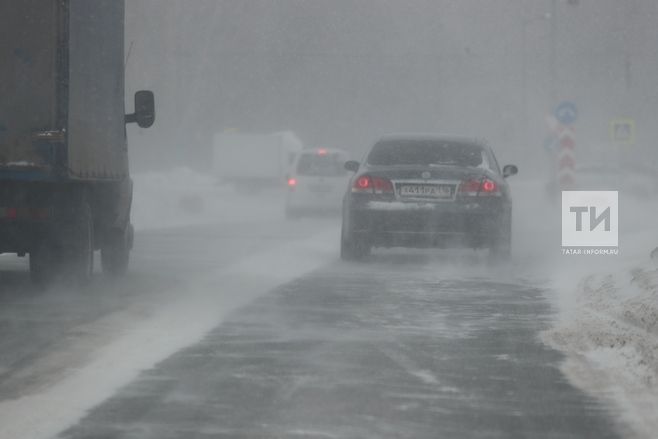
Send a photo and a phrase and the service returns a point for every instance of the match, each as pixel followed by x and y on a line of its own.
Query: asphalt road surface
pixel 404 345
pixel 35 323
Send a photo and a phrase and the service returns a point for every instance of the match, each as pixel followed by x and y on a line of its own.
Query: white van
pixel 316 182
pixel 254 161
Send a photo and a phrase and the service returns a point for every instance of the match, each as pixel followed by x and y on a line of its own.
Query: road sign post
pixel 566 114
pixel 566 167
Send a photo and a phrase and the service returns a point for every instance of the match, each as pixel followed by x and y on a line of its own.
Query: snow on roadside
pixel 181 197
pixel 609 333
pixel 606 323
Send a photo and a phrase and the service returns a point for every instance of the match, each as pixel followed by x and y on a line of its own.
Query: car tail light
pixel 292 182
pixel 372 185
pixel 470 187
pixel 382 185
pixel 12 213
pixel 362 184
pixel 489 186
pixel 479 187
pixel 322 151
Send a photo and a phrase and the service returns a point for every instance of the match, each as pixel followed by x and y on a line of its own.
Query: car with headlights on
pixel 424 191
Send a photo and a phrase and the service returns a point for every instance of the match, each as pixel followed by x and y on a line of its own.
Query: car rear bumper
pixel 391 224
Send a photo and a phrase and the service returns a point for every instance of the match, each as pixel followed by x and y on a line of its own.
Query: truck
pixel 65 186
pixel 254 161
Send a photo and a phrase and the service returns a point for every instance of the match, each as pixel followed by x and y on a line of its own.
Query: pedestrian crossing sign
pixel 622 131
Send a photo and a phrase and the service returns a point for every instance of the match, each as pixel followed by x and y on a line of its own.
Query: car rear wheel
pixel 353 248
pixel 501 247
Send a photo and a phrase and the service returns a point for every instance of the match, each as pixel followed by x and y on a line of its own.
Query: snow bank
pixel 607 321
pixel 610 338
pixel 182 197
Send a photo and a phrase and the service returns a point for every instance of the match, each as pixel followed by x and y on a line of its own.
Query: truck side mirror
pixel 144 113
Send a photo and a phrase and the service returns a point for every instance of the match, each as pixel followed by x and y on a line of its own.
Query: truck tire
pixel 43 263
pixel 115 252
pixel 69 257
pixel 81 249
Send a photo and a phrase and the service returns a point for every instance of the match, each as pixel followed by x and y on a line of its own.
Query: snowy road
pixel 391 348
pixel 253 328
pixel 55 343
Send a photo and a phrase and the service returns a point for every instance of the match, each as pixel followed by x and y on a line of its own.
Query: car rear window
pixel 326 165
pixel 427 152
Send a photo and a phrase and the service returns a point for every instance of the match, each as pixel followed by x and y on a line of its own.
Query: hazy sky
pixel 340 73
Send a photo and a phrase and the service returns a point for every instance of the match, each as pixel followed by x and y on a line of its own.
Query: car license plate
pixel 426 191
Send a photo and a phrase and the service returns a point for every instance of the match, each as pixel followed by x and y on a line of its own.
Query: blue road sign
pixel 566 113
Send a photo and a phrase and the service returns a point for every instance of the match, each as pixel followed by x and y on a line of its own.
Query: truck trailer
pixel 254 161
pixel 65 187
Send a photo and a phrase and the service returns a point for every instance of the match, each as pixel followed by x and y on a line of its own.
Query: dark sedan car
pixel 427 191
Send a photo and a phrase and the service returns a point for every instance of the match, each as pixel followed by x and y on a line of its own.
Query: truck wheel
pixel 43 264
pixel 81 251
pixel 115 252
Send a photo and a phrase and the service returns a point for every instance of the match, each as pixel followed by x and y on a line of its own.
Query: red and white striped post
pixel 566 160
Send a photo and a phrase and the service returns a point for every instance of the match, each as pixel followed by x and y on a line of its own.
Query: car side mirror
pixel 352 165
pixel 509 170
pixel 144 114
